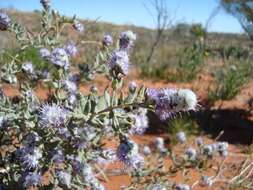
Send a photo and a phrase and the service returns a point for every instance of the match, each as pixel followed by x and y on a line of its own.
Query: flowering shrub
pixel 62 138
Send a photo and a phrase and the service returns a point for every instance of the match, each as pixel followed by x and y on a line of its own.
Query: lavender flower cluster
pixel 168 102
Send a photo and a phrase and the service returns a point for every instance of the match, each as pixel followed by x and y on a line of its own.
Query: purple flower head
pixel 208 150
pixel 3 122
pixel 74 77
pixel 182 187
pixel 32 138
pixel 140 122
pixel 119 62
pixel 191 154
pixel 107 40
pixel 31 160
pixel 78 26
pixel 63 132
pixel 199 141
pixel 44 53
pixel 70 49
pixel 159 143
pixel 181 137
pixel 64 178
pixel 32 179
pixel 45 3
pixel 126 40
pixel 146 150
pixel 28 68
pixel 60 57
pixel 58 156
pixel 69 86
pixel 52 115
pixel 72 99
pixel 157 187
pixel 132 87
pixel 128 153
pixel 206 181
pixel 170 101
pixel 5 21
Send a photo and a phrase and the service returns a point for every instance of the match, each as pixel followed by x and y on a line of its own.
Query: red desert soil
pixel 201 85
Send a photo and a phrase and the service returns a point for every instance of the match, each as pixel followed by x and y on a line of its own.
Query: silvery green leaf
pixel 101 104
pixel 87 109
pixel 107 98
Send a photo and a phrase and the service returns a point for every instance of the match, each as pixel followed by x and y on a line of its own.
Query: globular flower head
pixel 206 181
pixel 64 178
pixel 70 49
pixel 5 21
pixel 191 154
pixel 126 39
pixel 181 137
pixel 128 153
pixel 107 40
pixel 132 86
pixel 171 101
pixel 157 187
pixel 188 99
pixel 32 138
pixel 32 179
pixel 60 57
pixel 140 124
pixel 182 187
pixel 69 86
pixel 146 150
pixel 45 3
pixel 58 156
pixel 78 26
pixel 44 53
pixel 52 115
pixel 119 62
pixel 31 160
pixel 222 148
pixel 208 150
pixel 199 141
pixel 28 67
pixel 3 122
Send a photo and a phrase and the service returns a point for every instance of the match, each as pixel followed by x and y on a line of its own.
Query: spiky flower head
pixel 78 26
pixel 208 150
pixel 52 115
pixel 132 86
pixel 5 21
pixel 146 150
pixel 181 137
pixel 157 187
pixel 107 40
pixel 31 159
pixel 191 154
pixel 70 48
pixel 199 141
pixel 182 187
pixel 64 178
pixel 119 62
pixel 159 143
pixel 28 67
pixel 58 156
pixel 44 53
pixel 126 40
pixel 69 86
pixel 128 153
pixel 206 181
pixel 45 3
pixel 171 101
pixel 60 57
pixel 140 124
pixel 32 179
